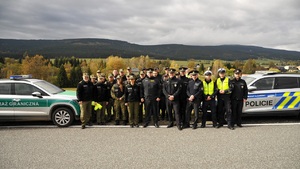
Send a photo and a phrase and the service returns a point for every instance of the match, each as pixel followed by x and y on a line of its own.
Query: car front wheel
pixel 62 117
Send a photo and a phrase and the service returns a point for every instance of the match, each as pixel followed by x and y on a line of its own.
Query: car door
pixel 6 108
pixel 262 99
pixel 27 106
pixel 287 94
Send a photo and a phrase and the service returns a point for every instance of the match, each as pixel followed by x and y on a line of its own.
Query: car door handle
pixel 16 100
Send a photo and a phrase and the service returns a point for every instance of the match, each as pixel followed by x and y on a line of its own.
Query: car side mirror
pixel 37 94
pixel 252 88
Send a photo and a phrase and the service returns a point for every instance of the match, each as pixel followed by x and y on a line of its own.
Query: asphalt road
pixel 253 146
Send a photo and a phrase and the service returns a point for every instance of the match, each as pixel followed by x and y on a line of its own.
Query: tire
pixel 62 117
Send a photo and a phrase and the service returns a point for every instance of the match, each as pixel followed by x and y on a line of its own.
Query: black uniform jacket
pixel 172 87
pixel 240 89
pixel 195 87
pixel 85 91
pixel 150 88
pixel 132 93
pixel 102 92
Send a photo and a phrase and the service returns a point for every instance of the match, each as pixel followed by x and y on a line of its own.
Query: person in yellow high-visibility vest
pixel 224 104
pixel 209 99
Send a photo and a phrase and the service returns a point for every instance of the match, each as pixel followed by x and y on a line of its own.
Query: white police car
pixel 26 99
pixel 272 93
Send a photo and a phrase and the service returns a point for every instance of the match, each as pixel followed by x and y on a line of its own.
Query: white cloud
pixel 265 23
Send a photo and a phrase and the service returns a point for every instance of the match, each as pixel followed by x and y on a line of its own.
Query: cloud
pixel 265 23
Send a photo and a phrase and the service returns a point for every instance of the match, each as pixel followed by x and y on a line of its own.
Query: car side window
pixel 26 89
pixel 286 82
pixel 5 88
pixel 264 84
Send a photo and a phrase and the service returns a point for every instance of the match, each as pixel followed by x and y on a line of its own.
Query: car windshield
pixel 48 87
pixel 248 79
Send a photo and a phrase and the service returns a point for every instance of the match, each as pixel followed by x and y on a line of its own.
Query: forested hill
pixel 92 48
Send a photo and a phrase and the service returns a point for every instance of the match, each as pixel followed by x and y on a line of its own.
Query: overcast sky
pixel 267 23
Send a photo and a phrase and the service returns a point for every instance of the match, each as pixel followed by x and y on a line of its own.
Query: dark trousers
pixel 224 105
pixel 212 105
pixel 237 108
pixel 109 110
pixel 173 105
pixel 190 106
pixel 141 112
pixel 182 109
pixel 162 107
pixel 151 107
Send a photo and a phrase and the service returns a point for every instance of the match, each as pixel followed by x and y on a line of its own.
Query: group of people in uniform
pixel 171 96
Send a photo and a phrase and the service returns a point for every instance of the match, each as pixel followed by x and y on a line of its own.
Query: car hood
pixel 67 94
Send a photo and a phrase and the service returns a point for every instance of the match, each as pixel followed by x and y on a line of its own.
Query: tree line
pixel 67 72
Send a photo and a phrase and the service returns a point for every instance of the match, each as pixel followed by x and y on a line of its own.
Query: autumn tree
pixel 191 63
pixel 36 65
pixel 11 67
pixel 216 65
pixel 249 66
pixel 115 62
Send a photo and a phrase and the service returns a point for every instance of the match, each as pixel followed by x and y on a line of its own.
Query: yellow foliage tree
pixel 11 67
pixel 114 62
pixel 191 64
pixel 36 65
pixel 174 65
pixel 216 65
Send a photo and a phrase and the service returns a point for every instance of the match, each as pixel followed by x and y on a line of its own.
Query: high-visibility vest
pixel 223 85
pixel 208 88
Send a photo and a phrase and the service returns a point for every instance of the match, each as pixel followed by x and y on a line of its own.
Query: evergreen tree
pixel 78 75
pixel 2 60
pixel 62 78
pixel 73 81
pixel 201 69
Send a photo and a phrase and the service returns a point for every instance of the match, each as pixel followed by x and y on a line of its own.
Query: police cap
pixel 98 71
pixel 221 70
pixel 166 68
pixel 237 71
pixel 149 70
pixel 172 70
pixel 194 72
pixel 182 69
pixel 207 73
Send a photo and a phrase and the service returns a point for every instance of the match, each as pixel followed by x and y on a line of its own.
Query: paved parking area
pixel 253 146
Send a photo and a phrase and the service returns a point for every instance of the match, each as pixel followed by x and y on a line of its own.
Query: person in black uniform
pixel 183 96
pixel 172 90
pixel 132 101
pixel 194 92
pixel 85 94
pixel 239 95
pixel 209 99
pixel 150 94
pixel 139 83
pixel 101 97
pixel 109 83
pixel 162 102
pixel 224 104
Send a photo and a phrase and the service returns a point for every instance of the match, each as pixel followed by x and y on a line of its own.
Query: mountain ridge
pixel 102 48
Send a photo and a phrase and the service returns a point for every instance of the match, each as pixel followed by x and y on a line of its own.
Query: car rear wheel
pixel 63 117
